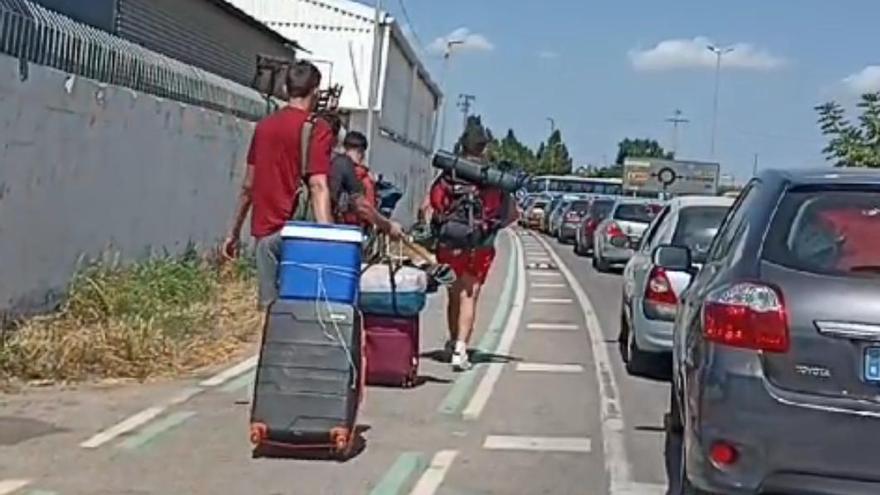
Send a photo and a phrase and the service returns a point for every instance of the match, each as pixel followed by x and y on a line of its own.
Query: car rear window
pixel 601 209
pixel 697 226
pixel 637 212
pixel 580 206
pixel 831 232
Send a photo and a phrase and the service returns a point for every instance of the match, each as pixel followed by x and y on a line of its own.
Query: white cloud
pixel 693 53
pixel 548 54
pixel 474 42
pixel 864 81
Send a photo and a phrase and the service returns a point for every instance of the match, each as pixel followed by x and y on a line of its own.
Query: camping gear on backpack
pixel 320 262
pixel 480 174
pixel 309 378
pixel 392 350
pixel 391 289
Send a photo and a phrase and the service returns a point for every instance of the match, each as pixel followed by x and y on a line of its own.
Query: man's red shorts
pixel 474 261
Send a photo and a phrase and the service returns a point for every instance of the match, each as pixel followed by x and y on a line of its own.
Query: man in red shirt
pixel 275 172
pixel 471 264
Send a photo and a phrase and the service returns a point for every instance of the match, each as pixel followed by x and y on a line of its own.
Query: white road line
pixel 139 419
pixel 493 373
pixel 548 286
pixel 613 445
pixel 549 368
pixel 123 427
pixel 539 444
pixel 9 486
pixel 230 373
pixel 545 274
pixel 547 300
pixel 552 326
pixel 432 478
pixel 642 489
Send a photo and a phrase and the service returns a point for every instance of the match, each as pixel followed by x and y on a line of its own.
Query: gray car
pixel 651 294
pixel 615 239
pixel 776 347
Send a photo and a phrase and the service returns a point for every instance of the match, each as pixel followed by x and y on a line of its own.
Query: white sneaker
pixel 460 361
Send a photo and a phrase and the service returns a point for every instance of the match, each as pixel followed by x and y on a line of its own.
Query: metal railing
pixel 41 36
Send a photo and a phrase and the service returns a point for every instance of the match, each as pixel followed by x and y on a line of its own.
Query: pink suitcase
pixel 392 350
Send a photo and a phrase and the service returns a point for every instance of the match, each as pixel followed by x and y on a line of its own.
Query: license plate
pixel 872 364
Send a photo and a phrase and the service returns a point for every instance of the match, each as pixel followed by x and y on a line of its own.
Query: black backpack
pixel 462 225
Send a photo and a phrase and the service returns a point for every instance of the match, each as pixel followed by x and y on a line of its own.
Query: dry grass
pixel 162 317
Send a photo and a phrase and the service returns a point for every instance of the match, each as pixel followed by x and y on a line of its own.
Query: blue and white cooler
pixel 320 262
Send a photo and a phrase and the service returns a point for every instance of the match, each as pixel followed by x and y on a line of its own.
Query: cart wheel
pixel 259 432
pixel 340 439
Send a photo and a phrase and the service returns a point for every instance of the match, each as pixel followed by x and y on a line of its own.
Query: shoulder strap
pixel 305 144
pixel 302 210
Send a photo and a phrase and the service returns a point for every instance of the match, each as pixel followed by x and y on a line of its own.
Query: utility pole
pixel 374 77
pixel 676 120
pixel 447 55
pixel 755 166
pixel 719 54
pixel 464 103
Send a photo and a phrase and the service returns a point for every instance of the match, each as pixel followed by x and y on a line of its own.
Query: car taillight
pixel 748 315
pixel 661 303
pixel 614 230
pixel 590 225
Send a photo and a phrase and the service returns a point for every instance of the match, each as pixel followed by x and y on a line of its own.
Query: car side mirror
pixel 674 258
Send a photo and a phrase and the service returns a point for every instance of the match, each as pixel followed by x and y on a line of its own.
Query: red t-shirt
pixel 275 155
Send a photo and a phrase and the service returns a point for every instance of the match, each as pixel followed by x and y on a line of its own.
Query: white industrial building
pixel 340 36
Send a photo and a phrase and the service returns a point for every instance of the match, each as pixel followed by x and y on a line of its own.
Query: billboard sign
pixel 654 175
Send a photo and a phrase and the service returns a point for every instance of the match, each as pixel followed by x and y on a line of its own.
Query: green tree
pixel 553 157
pixel 509 152
pixel 849 144
pixel 641 148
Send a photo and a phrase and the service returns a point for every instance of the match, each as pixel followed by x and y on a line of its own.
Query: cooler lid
pixel 322 232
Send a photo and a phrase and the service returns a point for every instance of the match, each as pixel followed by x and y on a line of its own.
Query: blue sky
pixel 609 70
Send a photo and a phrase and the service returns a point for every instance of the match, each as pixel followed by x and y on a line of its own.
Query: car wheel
pixel 638 362
pixel 623 338
pixel 599 262
pixel 578 250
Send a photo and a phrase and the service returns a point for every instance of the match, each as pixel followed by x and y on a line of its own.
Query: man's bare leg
pixel 453 308
pixel 469 290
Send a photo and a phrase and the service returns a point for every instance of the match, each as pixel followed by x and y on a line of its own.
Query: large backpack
pixel 345 210
pixel 462 225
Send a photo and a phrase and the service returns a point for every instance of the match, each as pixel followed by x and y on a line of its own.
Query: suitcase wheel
pixel 259 433
pixel 341 440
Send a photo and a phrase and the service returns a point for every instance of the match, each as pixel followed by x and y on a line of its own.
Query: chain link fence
pixel 38 35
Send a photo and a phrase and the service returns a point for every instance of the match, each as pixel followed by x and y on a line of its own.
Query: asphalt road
pixel 547 410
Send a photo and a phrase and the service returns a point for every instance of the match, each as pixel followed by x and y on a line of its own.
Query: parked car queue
pixel 763 313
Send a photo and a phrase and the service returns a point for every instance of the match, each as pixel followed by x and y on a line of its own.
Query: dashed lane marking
pixel 145 416
pixel 431 480
pixel 617 463
pixel 550 368
pixel 540 266
pixel 552 326
pixel 230 373
pixel 10 486
pixel 549 300
pixel 406 465
pixel 547 286
pixel 493 373
pixel 151 432
pixel 539 444
pixel 544 274
pixel 642 489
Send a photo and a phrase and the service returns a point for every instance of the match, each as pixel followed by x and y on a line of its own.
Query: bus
pixel 570 184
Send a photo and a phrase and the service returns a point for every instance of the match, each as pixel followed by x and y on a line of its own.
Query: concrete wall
pixel 87 170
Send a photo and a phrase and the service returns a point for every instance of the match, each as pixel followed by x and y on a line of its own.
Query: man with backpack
pixel 288 161
pixel 353 191
pixel 466 219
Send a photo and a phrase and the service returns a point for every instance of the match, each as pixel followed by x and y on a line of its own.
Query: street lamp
pixel 552 124
pixel 447 54
pixel 375 67
pixel 719 53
